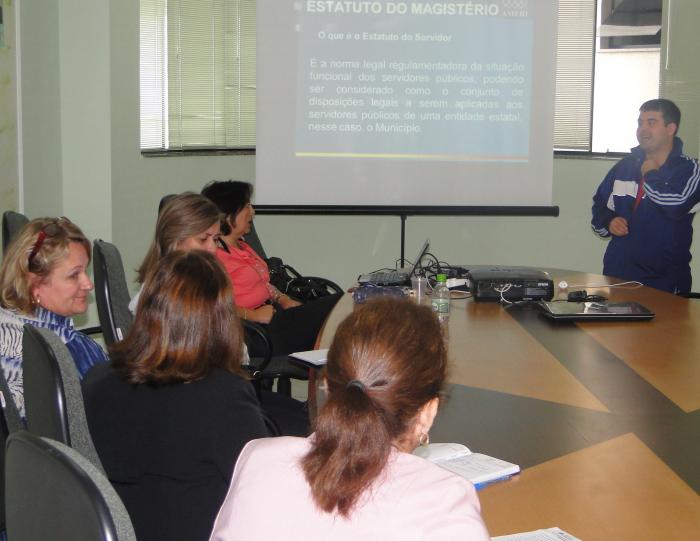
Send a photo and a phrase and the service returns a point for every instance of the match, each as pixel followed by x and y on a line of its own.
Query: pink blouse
pixel 413 499
pixel 250 278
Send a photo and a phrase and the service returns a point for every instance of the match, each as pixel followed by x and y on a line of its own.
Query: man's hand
pixel 618 226
pixel 649 165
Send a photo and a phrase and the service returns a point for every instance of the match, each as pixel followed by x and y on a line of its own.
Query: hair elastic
pixel 356 383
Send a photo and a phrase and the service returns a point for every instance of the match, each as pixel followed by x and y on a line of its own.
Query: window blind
pixel 197 74
pixel 574 75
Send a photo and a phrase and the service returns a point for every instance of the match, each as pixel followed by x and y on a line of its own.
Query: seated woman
pixel 173 409
pixel 355 477
pixel 291 326
pixel 189 221
pixel 44 282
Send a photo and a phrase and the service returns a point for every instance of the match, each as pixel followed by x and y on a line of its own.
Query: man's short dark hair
pixel 667 108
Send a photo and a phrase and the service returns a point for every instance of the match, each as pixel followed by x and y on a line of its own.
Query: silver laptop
pixel 401 277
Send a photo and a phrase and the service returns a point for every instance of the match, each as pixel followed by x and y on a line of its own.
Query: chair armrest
pixel 254 330
pixel 91 330
pixel 325 282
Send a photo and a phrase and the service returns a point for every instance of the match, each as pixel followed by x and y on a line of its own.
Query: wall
pixel 41 109
pixel 85 154
pixel 138 183
pixel 342 247
pixel 680 76
pixel 65 110
pixel 9 176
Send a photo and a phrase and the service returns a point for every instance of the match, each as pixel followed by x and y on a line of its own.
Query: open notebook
pixel 315 358
pixel 475 467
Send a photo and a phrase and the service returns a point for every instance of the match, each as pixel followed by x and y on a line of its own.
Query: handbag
pixel 287 280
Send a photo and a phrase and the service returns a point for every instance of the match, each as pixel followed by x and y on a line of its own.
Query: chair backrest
pixel 111 292
pixel 54 493
pixel 10 422
pixel 53 397
pixel 12 222
pixel 163 201
pixel 254 241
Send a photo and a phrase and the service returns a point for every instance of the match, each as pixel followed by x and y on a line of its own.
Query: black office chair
pixel 164 200
pixel 254 241
pixel 12 222
pixel 298 286
pixel 53 492
pixel 111 292
pixel 53 397
pixel 10 422
pixel 267 369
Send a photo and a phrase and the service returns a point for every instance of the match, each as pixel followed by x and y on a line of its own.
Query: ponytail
pixel 351 446
pixel 387 360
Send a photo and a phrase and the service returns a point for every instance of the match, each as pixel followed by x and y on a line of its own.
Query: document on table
pixel 549 534
pixel 315 357
pixel 477 468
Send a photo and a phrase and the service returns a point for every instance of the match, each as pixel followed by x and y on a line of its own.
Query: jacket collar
pixel 676 151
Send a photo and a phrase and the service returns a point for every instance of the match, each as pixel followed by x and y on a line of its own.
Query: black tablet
pixel 615 311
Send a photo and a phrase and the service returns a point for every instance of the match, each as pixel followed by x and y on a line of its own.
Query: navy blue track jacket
pixel 656 251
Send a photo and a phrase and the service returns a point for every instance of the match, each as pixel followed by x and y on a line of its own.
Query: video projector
pixel 510 283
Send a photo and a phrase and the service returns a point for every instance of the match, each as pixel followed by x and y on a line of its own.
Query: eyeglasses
pixel 51 229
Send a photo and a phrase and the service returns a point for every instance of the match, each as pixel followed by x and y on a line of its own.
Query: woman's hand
pixel 285 301
pixel 262 314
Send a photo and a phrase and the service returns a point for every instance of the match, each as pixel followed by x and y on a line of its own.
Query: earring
pixel 37 300
pixel 424 439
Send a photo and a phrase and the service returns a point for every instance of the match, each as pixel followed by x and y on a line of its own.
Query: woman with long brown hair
pixel 355 477
pixel 190 221
pixel 173 409
pixel 187 221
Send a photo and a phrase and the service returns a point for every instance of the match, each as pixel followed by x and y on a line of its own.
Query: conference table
pixel 602 417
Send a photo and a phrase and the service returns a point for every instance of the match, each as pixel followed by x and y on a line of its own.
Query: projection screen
pixel 405 103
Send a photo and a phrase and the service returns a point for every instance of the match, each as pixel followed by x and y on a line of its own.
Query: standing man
pixel 646 203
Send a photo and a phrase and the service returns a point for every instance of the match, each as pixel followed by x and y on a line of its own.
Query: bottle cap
pixel 441 278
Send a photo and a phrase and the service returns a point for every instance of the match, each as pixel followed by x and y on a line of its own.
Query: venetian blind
pixel 574 75
pixel 197 74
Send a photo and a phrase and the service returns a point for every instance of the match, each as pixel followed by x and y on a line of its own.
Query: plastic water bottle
pixel 441 299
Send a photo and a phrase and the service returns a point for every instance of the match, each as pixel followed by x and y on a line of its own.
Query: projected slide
pixel 451 79
pixel 386 103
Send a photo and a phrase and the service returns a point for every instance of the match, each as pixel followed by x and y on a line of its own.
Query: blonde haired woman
pixel 44 282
